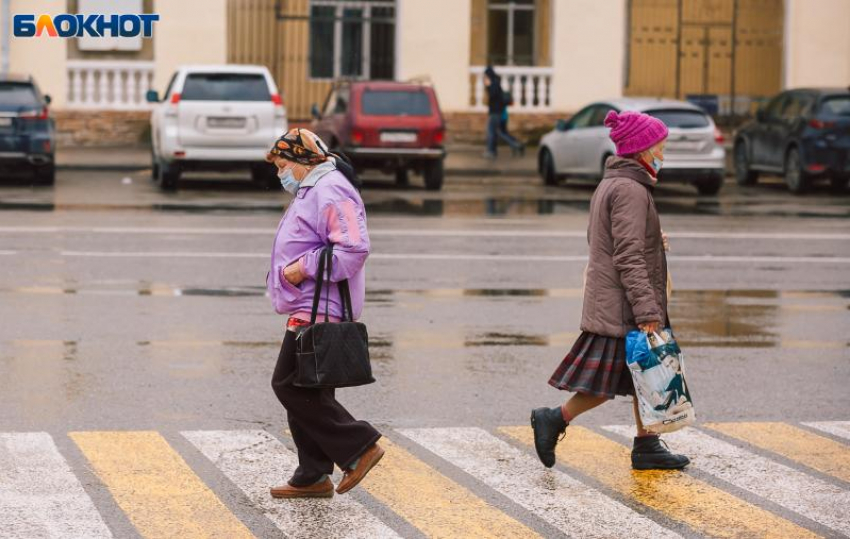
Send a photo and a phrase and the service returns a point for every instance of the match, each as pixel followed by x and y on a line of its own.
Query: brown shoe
pixel 324 489
pixel 367 461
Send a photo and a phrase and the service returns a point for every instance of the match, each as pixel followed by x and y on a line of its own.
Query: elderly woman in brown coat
pixel 625 290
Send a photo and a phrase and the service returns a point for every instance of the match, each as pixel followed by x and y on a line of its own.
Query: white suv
pixel 215 117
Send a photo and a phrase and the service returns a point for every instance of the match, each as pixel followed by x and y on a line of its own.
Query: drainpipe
pixel 6 28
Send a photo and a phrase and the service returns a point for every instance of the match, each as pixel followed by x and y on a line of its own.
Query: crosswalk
pixel 755 479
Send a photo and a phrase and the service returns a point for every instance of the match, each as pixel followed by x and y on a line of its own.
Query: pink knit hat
pixel 634 132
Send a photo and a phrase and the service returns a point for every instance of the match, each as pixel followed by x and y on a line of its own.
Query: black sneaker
pixel 650 453
pixel 548 425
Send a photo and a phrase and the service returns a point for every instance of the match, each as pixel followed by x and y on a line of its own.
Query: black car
pixel 802 134
pixel 27 131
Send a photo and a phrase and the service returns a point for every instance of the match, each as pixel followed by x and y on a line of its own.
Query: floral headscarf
pixel 301 146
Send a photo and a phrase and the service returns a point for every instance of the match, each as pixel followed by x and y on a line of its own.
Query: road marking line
pixel 554 496
pixel 468 258
pixel 706 509
pixel 255 461
pixel 433 503
pixel 8 253
pixel 840 429
pixel 155 487
pixel 404 232
pixel 811 497
pixel 816 452
pixel 39 494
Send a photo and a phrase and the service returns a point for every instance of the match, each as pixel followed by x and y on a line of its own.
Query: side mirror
pixel 562 125
pixel 152 96
pixel 47 99
pixel 315 112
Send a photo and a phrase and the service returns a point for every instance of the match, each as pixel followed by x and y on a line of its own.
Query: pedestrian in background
pixel 497 109
pixel 625 289
pixel 326 209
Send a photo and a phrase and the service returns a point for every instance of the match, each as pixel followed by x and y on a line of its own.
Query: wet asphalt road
pixel 124 308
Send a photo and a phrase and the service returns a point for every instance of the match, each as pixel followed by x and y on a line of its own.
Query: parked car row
pixel 27 130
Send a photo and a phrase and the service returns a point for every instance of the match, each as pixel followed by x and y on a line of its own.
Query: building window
pixel 352 39
pixel 510 32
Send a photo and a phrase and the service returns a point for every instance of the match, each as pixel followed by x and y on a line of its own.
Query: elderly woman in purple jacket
pixel 326 209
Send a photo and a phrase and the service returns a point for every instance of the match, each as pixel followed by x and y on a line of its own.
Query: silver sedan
pixel 579 147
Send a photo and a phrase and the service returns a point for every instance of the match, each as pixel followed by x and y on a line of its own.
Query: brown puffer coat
pixel 627 271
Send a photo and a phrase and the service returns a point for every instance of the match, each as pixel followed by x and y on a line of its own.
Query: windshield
pixel 18 94
pixel 681 119
pixel 225 87
pixel 836 106
pixel 396 103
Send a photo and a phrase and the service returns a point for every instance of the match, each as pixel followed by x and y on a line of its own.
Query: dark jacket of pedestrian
pixel 627 274
pixel 495 95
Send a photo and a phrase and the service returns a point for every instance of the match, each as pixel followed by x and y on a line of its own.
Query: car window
pixel 793 107
pixel 170 86
pixel 681 118
pixel 396 103
pixel 599 114
pixel 340 104
pixel 18 94
pixel 225 87
pixel 583 117
pixel 774 106
pixel 836 106
pixel 330 103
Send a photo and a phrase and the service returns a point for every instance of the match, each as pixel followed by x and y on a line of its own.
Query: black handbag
pixel 332 354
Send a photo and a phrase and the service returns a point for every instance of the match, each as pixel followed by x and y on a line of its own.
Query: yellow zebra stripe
pixel 154 486
pixel 706 509
pixel 812 450
pixel 433 503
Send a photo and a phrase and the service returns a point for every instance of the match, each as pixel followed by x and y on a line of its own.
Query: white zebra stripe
pixel 813 498
pixel 840 429
pixel 254 459
pixel 39 495
pixel 554 496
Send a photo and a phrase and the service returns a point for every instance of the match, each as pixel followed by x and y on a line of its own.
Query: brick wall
pixel 469 127
pixel 102 128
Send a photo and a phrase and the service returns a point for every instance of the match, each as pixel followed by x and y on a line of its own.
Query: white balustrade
pixel 531 87
pixel 109 85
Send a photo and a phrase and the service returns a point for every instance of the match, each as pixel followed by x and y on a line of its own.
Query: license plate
pixel 5 122
pixel 684 146
pixel 398 136
pixel 226 123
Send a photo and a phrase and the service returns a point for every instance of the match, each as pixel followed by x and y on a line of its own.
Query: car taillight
pixel 357 136
pixel 439 137
pixel 820 124
pixel 718 136
pixel 175 98
pixel 35 114
pixel 277 99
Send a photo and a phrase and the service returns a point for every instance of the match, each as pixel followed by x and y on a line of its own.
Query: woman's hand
pixel 292 273
pixel 649 327
pixel 665 241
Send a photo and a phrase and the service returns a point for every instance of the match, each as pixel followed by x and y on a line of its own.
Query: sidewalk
pixel 461 160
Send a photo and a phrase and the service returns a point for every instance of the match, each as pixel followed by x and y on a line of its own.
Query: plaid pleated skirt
pixel 595 365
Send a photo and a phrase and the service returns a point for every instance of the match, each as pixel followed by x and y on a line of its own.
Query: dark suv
pixel 26 129
pixel 395 127
pixel 802 134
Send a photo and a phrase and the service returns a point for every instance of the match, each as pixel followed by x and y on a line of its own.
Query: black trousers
pixel 324 432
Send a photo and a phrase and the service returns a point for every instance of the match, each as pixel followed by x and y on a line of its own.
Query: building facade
pixel 554 55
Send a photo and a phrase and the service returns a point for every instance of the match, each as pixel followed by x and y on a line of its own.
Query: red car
pixel 394 127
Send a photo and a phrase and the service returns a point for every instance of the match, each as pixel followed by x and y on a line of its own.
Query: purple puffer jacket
pixel 329 212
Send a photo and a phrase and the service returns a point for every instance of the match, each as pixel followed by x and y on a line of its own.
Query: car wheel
pixel 710 186
pixel 795 177
pixel 167 176
pixel 743 174
pixel 547 168
pixel 433 174
pixel 154 166
pixel 45 175
pixel 402 177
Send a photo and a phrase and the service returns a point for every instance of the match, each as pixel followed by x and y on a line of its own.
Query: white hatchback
pixel 579 147
pixel 215 117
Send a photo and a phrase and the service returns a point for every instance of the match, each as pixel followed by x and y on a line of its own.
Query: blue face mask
pixel 656 164
pixel 288 182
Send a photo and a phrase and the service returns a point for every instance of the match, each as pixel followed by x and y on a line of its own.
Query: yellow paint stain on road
pixel 817 452
pixel 706 509
pixel 154 486
pixel 433 503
